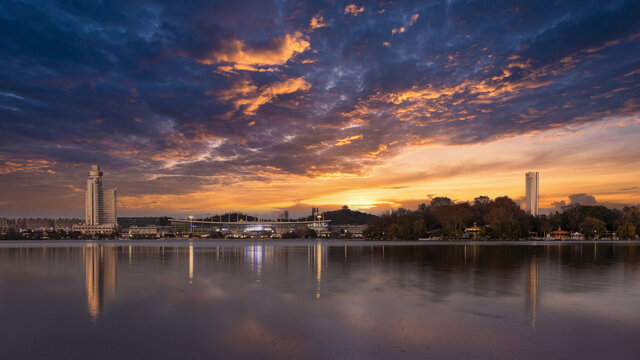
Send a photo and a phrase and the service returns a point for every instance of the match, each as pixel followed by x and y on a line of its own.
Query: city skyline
pixel 262 107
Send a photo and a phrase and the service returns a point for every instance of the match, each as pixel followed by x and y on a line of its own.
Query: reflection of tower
pixel 190 264
pixel 319 250
pixel 101 275
pixel 531 289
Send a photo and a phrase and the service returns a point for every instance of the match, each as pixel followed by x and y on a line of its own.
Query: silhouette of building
pixel 532 185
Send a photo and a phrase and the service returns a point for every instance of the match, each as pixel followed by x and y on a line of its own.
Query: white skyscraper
pixel 532 185
pixel 100 207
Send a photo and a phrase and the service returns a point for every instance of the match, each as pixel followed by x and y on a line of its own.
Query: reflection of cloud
pixel 251 336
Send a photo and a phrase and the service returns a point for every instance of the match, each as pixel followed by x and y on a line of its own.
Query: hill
pixel 348 216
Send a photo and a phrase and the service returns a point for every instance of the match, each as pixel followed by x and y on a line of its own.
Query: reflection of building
pixel 531 180
pixel 531 289
pixel 101 276
pixel 319 252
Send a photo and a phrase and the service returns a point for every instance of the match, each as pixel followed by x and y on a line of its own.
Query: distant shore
pixel 293 242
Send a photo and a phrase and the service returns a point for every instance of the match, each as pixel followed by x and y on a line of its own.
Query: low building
pixel 143 230
pixel 560 234
pixel 95 229
pixel 238 228
pixel 353 229
pixel 472 231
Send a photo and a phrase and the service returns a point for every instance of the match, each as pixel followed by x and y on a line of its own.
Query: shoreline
pixel 177 242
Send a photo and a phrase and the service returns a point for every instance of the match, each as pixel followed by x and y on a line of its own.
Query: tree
pixel 592 227
pixel 626 231
pixel 440 201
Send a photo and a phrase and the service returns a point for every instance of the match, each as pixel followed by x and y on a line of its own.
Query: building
pixel 353 229
pixel 238 228
pixel 532 186
pixel 125 223
pixel 143 230
pixel 283 216
pixel 95 229
pixel 100 206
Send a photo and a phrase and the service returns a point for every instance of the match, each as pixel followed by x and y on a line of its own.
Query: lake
pixel 319 299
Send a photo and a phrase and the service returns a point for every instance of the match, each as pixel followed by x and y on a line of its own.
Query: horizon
pixel 196 109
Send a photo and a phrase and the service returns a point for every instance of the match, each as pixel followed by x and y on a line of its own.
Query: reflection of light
pixel 318 270
pixel 191 264
pixel 129 254
pixel 101 277
pixel 254 254
pixel 531 290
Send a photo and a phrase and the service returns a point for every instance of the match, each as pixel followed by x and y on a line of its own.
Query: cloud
pixel 317 21
pixel 413 19
pixel 582 199
pixel 249 98
pixel 263 57
pixel 353 10
pixel 175 94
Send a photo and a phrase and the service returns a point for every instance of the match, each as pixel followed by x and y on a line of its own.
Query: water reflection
pixel 101 277
pixel 323 300
pixel 531 288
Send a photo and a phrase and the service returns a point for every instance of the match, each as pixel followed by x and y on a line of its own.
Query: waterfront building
pixel 239 228
pixel 95 229
pixel 143 230
pixel 353 229
pixel 100 204
pixel 532 187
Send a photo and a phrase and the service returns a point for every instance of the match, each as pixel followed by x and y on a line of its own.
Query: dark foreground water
pixel 319 300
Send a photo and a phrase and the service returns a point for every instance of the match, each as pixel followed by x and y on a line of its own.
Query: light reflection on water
pixel 321 300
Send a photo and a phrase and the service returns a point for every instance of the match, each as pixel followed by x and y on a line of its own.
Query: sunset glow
pixel 272 106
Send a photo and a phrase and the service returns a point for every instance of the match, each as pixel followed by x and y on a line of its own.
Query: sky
pixel 200 107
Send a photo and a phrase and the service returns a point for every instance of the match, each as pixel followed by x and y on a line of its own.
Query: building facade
pixel 532 187
pixel 100 204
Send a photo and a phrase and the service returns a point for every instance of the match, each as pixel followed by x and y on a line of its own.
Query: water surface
pixel 318 300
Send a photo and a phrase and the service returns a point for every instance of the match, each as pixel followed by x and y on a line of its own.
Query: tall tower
pixel 94 196
pixel 100 206
pixel 532 185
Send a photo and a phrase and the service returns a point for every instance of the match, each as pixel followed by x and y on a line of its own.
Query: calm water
pixel 319 300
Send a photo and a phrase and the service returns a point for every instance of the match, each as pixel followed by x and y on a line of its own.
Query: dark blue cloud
pixel 135 83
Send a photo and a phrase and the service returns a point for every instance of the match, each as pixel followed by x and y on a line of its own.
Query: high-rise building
pixel 532 185
pixel 100 207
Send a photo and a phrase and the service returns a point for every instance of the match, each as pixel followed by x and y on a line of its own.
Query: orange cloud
pixel 25 165
pixel 414 18
pixel 249 98
pixel 237 55
pixel 353 10
pixel 348 140
pixel 317 22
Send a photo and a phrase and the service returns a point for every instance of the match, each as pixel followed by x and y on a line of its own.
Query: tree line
pixel 500 219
